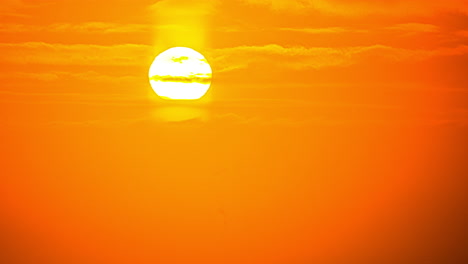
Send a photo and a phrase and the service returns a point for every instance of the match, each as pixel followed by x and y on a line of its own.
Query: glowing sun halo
pixel 180 74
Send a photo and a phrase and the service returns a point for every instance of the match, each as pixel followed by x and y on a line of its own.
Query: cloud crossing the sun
pixel 183 79
pixel 296 57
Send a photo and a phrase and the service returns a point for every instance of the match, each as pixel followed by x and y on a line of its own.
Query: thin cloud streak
pixel 327 30
pixel 72 76
pixel 225 59
pixel 357 8
pixel 319 57
pixel 182 79
pixel 415 27
pixel 85 28
pixel 75 54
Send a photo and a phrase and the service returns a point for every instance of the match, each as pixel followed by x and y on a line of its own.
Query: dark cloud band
pixel 181 79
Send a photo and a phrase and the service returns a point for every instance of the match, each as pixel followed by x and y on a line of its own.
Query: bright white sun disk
pixel 180 74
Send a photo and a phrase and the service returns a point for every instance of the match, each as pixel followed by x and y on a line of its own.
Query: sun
pixel 180 74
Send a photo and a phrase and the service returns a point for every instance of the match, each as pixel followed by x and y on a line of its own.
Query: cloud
pixel 180 59
pixel 415 27
pixel 222 60
pixel 93 76
pixel 282 4
pixel 359 7
pixel 327 30
pixel 77 54
pixel 78 98
pixel 304 58
pixel 46 77
pixel 182 79
pixel 87 28
pixel 100 27
pixel 322 30
pixel 21 80
pixel 301 57
pixel 91 28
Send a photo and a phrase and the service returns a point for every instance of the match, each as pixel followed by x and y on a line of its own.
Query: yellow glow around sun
pixel 180 74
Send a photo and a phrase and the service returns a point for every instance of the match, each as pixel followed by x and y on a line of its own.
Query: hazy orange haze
pixel 334 132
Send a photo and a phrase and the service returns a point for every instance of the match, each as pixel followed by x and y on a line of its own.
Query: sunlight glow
pixel 180 74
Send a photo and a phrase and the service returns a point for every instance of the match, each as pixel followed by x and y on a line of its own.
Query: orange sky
pixel 334 132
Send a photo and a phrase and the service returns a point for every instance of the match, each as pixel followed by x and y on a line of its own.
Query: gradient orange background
pixel 335 132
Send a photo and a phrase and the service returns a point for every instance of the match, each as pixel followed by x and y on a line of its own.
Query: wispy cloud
pixel 415 27
pixel 326 30
pixel 316 57
pixel 89 28
pixel 78 54
pixel 182 79
pixel 77 98
pixel 224 59
pixel 356 8
pixel 52 76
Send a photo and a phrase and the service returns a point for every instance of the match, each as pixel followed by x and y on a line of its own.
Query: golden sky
pixel 334 132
